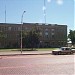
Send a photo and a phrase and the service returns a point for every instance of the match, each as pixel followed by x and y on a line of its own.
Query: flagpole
pixel 5 13
pixel 45 11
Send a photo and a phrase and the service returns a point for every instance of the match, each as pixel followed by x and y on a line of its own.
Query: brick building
pixel 52 35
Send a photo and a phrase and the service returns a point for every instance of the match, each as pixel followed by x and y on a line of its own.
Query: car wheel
pixel 59 53
pixel 71 52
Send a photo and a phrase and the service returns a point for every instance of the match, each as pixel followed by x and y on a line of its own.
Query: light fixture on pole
pixel 21 29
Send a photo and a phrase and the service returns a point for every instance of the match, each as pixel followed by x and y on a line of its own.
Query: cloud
pixel 59 2
pixel 49 1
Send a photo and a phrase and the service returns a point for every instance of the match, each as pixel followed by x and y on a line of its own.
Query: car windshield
pixel 62 48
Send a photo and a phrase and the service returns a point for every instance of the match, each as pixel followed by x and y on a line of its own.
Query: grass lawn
pixel 28 49
pixel 45 49
pixel 8 50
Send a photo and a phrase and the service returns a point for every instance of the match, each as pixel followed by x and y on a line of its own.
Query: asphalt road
pixel 37 65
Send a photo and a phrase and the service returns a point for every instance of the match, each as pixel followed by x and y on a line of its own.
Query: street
pixel 37 65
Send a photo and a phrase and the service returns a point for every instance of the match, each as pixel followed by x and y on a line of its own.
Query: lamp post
pixel 21 29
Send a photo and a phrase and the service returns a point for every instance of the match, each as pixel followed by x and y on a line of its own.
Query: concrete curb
pixel 25 54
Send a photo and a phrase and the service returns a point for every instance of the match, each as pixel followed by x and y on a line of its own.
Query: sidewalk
pixel 14 53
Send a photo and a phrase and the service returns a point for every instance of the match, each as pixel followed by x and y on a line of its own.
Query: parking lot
pixel 37 65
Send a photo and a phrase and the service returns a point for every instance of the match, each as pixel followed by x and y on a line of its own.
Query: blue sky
pixel 57 11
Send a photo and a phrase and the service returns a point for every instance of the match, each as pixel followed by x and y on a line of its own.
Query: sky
pixel 56 11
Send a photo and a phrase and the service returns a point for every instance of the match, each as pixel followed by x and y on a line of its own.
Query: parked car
pixel 63 50
pixel 73 49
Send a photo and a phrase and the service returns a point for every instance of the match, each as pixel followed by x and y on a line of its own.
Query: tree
pixel 72 36
pixel 2 35
pixel 31 39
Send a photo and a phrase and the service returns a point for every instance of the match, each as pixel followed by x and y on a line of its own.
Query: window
pixel 15 28
pixel 62 48
pixel 41 33
pixel 26 28
pixel 52 29
pixel 46 29
pixel 52 33
pixel 5 29
pixel 0 28
pixel 52 36
pixel 19 28
pixel 9 28
pixel 46 33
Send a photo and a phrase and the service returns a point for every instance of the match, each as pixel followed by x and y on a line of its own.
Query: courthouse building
pixel 52 35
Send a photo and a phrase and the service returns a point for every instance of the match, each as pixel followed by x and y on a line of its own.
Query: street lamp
pixel 21 29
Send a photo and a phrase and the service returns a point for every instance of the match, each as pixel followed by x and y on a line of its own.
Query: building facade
pixel 52 35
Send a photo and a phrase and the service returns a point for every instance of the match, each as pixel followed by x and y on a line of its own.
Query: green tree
pixel 2 35
pixel 31 39
pixel 72 36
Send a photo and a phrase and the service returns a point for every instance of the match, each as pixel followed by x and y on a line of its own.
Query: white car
pixel 73 49
pixel 63 50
